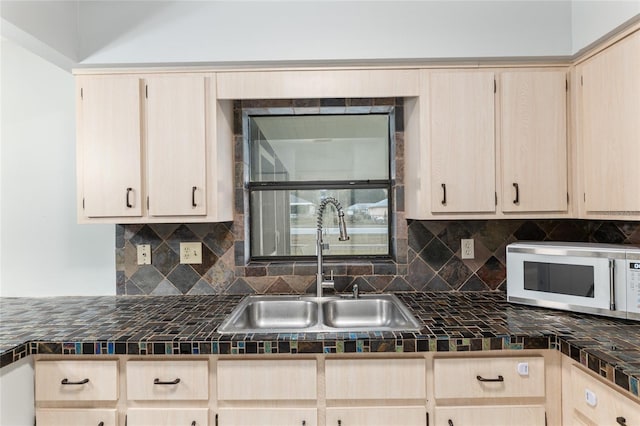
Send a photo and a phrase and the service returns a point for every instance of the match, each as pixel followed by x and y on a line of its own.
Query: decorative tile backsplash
pixel 426 254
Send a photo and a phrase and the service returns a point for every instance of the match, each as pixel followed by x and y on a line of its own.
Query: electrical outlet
pixel 191 253
pixel 144 254
pixel 466 248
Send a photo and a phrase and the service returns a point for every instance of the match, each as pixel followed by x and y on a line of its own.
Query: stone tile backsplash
pixel 433 258
pixel 426 254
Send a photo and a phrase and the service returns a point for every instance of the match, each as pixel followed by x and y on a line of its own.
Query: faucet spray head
pixel 342 226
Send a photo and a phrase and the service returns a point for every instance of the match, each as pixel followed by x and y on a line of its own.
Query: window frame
pixel 386 184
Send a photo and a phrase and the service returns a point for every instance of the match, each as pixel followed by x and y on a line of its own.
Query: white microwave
pixel 601 279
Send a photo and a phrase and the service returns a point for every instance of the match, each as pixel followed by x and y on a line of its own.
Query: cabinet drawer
pixel 242 380
pixel 376 416
pixel 490 416
pixel 167 417
pixel 76 417
pixel 268 417
pixel 488 377
pixel 167 380
pixel 605 405
pixel 375 378
pixel 76 380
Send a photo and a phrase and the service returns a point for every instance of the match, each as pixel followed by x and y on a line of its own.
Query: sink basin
pixel 262 314
pixel 308 314
pixel 376 313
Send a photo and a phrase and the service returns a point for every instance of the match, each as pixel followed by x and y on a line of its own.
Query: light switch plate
pixel 144 254
pixel 191 253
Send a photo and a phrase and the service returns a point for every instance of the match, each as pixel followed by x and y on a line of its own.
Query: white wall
pixel 16 394
pixel 591 20
pixel 239 31
pixel 44 252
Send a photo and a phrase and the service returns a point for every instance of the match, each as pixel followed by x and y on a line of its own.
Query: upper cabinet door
pixel 533 141
pixel 109 146
pixel 176 145
pixel 611 129
pixel 461 106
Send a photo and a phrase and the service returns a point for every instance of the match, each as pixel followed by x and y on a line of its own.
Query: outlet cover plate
pixel 191 253
pixel 466 248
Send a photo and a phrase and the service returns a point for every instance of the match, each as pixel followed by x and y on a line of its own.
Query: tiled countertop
pixel 174 325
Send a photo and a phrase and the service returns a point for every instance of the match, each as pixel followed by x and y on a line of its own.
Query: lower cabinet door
pixel 267 417
pixel 490 416
pixel 599 404
pixel 167 417
pixel 76 417
pixel 377 416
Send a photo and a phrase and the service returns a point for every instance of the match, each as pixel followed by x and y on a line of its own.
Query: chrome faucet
pixel 320 281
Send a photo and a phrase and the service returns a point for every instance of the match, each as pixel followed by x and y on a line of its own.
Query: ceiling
pixel 109 32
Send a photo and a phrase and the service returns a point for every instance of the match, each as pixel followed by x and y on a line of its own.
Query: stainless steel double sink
pixel 308 314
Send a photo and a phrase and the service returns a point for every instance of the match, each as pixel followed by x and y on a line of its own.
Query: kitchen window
pixel 297 160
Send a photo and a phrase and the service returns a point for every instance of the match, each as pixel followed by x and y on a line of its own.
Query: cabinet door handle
pixel 444 194
pixel 193 423
pixel 101 424
pixel 193 196
pixel 304 423
pixel 621 421
pixel 450 422
pixel 517 199
pixel 482 379
pixel 129 205
pixel 66 381
pixel 339 422
pixel 173 382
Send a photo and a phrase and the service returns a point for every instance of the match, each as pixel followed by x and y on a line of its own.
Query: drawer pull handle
pixel 621 421
pixel 67 382
pixel 193 423
pixel 450 422
pixel 482 379
pixel 101 424
pixel 173 382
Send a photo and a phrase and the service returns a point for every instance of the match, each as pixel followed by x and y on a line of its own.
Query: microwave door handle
pixel 612 286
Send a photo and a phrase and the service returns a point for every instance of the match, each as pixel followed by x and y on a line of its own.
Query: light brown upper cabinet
pixel 487 144
pixel 154 148
pixel 609 131
pixel 533 140
pixel 176 148
pixel 109 147
pixel 461 134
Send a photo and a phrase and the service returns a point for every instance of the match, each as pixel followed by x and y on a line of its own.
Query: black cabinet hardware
pixel 482 379
pixel 517 199
pixel 173 382
pixel 450 422
pixel 621 421
pixel 127 198
pixel 193 196
pixel 67 382
pixel 444 194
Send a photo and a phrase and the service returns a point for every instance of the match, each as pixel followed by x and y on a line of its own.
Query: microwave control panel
pixel 633 280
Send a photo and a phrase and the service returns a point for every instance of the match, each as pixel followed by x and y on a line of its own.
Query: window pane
pixel 284 222
pixel 319 147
